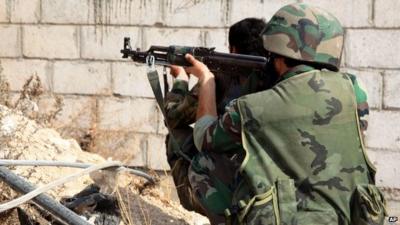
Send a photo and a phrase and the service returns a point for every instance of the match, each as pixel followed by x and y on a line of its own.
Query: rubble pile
pixel 23 139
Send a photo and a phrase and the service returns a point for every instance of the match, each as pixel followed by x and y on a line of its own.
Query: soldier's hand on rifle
pixel 178 72
pixel 207 105
pixel 198 69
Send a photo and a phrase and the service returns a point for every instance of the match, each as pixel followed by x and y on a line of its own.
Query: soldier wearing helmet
pixel 304 159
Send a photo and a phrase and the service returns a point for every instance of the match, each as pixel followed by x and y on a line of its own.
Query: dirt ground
pixel 23 138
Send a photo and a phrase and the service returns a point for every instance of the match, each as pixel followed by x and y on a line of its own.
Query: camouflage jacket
pixel 304 157
pixel 263 178
pixel 224 133
pixel 181 104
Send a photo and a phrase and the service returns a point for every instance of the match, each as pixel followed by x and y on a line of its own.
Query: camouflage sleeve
pixel 222 134
pixel 362 104
pixel 181 104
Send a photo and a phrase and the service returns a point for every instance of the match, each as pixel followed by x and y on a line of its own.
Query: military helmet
pixel 305 33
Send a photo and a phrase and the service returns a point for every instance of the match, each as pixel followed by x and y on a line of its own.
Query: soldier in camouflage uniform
pixel 212 192
pixel 304 161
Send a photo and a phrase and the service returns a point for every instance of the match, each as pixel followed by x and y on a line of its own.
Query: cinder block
pixel 82 77
pixel 393 208
pixel 217 38
pixel 162 129
pixel 241 9
pixel 132 12
pixel 372 48
pixel 171 36
pixel 3 11
pixel 203 13
pixel 355 13
pixel 157 157
pixel 10 41
pixel 76 112
pixel 17 72
pixel 343 59
pixel 71 11
pixel 131 79
pixel 25 11
pixel 387 170
pixel 60 42
pixel 127 147
pixel 138 115
pixel 391 193
pixel 383 130
pixel 372 81
pixel 106 42
pixel 387 13
pixel 391 98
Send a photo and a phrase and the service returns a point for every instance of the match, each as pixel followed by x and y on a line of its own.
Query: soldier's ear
pixel 280 65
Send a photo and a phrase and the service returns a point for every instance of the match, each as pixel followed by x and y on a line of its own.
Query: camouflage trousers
pixel 205 184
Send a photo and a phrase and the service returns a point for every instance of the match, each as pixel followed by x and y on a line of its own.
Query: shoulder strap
pixel 152 75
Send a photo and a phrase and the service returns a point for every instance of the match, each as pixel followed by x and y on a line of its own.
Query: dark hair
pixel 245 36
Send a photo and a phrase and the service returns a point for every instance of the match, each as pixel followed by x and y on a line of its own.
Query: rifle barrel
pixel 237 60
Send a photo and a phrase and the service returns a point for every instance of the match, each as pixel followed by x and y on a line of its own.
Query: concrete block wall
pixel 73 46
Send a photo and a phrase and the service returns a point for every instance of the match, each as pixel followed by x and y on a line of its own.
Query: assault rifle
pixel 175 55
pixel 217 62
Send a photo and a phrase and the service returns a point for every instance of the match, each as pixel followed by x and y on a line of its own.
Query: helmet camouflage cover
pixel 305 33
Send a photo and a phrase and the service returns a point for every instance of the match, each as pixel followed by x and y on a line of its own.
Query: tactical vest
pixel 304 159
